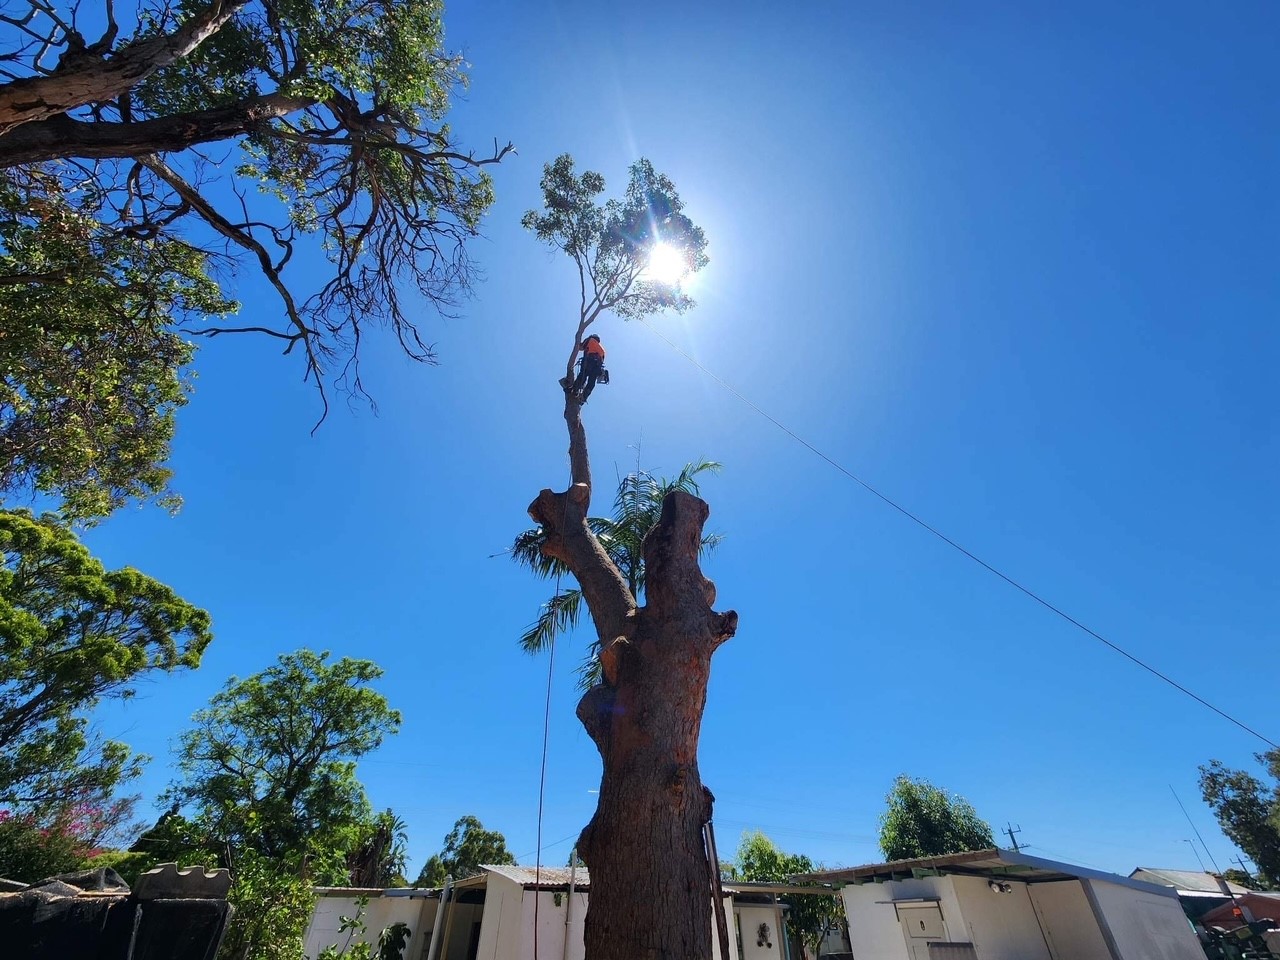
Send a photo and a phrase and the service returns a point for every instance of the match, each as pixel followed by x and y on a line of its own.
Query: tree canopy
pixel 611 243
pixel 73 633
pixel 269 765
pixel 1248 810
pixel 467 847
pixel 143 162
pixel 922 820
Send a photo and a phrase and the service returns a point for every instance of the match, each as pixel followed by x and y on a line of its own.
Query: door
pixel 921 924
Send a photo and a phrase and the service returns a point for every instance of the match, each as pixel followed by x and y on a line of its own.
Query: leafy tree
pixel 636 510
pixel 34 846
pixel 72 634
pixel 921 820
pixel 645 713
pixel 810 917
pixel 467 847
pixel 1242 878
pixel 91 373
pixel 272 907
pixel 117 229
pixel 32 849
pixel 1248 811
pixel 611 243
pixel 270 764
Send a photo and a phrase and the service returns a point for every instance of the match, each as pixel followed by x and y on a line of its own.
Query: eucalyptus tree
pixel 1248 810
pixel 150 152
pixel 645 712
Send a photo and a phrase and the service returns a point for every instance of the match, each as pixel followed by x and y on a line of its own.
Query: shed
pixel 1005 905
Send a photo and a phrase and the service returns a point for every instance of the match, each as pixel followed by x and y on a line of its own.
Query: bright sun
pixel 667 265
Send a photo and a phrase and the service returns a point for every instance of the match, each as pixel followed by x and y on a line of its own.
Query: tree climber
pixel 592 368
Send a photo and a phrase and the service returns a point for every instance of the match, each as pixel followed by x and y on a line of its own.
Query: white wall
pixel 507 930
pixel 500 928
pixel 750 916
pixel 550 925
pixel 326 920
pixel 1001 926
pixel 715 933
pixel 874 931
pixel 1068 921
pixel 1146 926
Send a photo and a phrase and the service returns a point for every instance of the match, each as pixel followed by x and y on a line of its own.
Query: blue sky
pixel 1012 264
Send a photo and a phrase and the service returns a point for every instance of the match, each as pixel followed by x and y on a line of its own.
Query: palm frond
pixel 526 550
pixel 559 615
pixel 589 670
pixel 636 508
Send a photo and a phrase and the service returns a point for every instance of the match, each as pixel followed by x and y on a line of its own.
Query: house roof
pixel 1187 882
pixel 990 863
pixel 546 877
pixel 557 878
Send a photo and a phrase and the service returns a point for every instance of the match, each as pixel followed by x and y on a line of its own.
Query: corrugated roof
pixel 547 877
pixel 992 863
pixel 1186 881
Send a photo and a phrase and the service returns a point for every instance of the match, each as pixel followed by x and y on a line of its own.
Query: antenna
pixel 1199 860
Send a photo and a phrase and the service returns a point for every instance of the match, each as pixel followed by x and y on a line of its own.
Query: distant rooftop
pixel 1186 882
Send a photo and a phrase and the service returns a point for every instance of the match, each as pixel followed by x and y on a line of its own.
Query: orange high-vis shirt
pixel 594 348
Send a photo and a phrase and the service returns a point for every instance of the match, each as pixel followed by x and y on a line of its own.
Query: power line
pixel 955 545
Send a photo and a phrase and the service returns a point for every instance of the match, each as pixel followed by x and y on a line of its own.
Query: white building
pixel 493 916
pixel 1003 905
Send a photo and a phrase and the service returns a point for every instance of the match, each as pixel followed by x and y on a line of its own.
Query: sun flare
pixel 667 265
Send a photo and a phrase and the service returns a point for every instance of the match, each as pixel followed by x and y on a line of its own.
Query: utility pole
pixel 1011 830
pixel 1239 861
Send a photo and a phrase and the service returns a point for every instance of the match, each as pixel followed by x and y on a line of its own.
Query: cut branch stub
pixel 675 587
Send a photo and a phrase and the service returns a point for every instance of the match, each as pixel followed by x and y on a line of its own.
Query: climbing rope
pixel 542 776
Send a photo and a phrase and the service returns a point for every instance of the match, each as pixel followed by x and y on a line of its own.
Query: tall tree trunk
pixel 649 871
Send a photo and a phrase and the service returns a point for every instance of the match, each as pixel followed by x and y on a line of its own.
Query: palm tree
pixel 379 860
pixel 636 509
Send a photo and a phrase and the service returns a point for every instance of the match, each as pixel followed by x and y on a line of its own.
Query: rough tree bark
pixel 649 870
pixel 92 75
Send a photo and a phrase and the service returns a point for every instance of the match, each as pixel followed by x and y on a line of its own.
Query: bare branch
pixel 244 239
